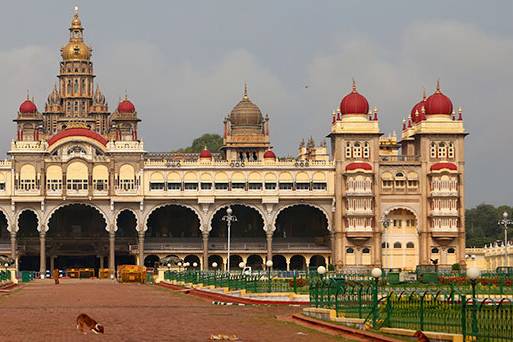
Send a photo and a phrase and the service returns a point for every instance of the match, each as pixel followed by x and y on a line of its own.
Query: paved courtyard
pixel 42 311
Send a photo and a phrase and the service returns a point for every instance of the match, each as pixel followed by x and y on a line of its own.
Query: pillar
pixel 140 248
pixel 101 262
pixel 332 244
pixel 423 248
pixel 376 250
pixel 13 245
pixel 52 262
pixel 269 238
pixel 112 246
pixel 204 235
pixel 42 252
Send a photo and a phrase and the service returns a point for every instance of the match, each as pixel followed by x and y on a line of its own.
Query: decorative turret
pixel 124 121
pixel 29 121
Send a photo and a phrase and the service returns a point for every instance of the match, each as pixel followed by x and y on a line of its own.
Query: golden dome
pixel 76 50
pixel 246 113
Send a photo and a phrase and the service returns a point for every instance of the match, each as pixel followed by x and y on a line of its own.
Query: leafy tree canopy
pixel 213 142
pixel 481 224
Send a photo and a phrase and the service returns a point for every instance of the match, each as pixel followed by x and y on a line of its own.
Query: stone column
pixel 52 263
pixel 42 252
pixel 332 244
pixel 376 249
pixel 13 245
pixel 204 264
pixel 269 239
pixel 112 251
pixel 140 248
pixel 101 262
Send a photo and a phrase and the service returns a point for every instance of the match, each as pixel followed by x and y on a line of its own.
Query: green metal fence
pixel 256 282
pixel 445 309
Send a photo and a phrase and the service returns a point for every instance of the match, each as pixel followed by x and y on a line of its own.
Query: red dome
pixel 269 154
pixel 416 111
pixel 77 132
pixel 438 103
pixel 28 107
pixel 126 106
pixel 356 166
pixel 354 103
pixel 205 154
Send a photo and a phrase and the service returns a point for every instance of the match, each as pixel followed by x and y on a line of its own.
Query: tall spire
pixel 245 95
pixel 438 86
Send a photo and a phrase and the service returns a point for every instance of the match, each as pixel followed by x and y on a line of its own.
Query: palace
pixel 78 188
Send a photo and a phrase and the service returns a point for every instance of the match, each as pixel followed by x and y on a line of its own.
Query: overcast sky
pixel 184 63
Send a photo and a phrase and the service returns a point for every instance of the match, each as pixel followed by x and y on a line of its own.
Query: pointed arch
pixel 194 210
pixel 324 212
pixel 108 224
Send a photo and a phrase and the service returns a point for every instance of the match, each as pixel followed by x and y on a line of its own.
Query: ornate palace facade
pixel 78 188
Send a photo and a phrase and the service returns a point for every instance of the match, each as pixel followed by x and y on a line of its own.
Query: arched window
pixel 434 250
pixel 410 245
pixel 450 151
pixel 357 150
pixel 366 150
pixel 348 150
pixel 366 250
pixel 397 244
pixel 384 245
pixel 442 151
pixel 433 150
pixel 451 250
pixel 350 250
pixel 76 87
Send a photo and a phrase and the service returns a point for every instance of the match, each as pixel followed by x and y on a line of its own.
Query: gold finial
pixel 28 96
pixel 354 86
pixel 245 95
pixel 126 95
pixel 76 10
pixel 438 85
pixel 424 93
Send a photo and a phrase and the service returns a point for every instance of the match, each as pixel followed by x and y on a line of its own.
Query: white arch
pixel 200 219
pixel 54 210
pixel 132 211
pixel 417 221
pixel 21 212
pixel 328 218
pixel 225 205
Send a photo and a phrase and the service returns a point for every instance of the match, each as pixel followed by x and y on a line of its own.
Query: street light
pixel 194 264
pixel 229 218
pixel 321 270
pixel 168 271
pixel 473 274
pixel 242 264
pixel 376 274
pixel 269 264
pixel 505 222
pixel 386 223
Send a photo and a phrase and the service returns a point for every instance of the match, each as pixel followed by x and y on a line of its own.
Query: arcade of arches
pixel 77 235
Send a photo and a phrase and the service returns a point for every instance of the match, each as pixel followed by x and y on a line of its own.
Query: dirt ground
pixel 42 311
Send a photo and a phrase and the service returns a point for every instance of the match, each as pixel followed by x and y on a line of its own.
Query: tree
pixel 213 142
pixel 481 224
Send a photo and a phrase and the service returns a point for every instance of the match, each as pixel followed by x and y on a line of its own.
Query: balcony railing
pixel 399 158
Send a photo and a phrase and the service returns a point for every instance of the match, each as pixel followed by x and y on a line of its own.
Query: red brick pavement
pixel 42 311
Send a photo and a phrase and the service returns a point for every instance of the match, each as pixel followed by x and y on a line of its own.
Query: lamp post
pixel 505 222
pixel 376 274
pixel 269 264
pixel 168 271
pixel 321 270
pixel 473 274
pixel 229 218
pixel 386 223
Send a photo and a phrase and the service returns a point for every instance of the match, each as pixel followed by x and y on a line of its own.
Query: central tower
pixel 75 99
